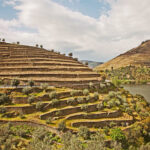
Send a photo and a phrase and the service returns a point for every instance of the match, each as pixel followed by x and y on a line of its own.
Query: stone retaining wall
pixel 98 124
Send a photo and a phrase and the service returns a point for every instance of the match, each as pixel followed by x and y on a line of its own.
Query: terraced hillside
pixel 139 56
pixel 62 108
pixel 40 65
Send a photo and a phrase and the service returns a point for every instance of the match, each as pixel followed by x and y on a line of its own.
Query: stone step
pixel 61 74
pixel 42 68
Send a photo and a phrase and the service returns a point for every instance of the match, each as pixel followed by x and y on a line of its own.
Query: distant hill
pixel 91 64
pixel 139 56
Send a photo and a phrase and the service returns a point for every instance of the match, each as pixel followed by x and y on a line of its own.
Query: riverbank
pixel 143 90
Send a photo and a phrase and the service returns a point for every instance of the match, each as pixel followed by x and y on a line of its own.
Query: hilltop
pixel 139 56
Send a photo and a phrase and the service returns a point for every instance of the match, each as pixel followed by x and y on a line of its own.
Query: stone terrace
pixel 32 63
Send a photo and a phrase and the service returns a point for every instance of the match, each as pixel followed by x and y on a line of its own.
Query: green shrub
pixel 52 95
pixel 4 99
pixel 74 93
pixel 62 126
pixel 49 120
pixel 85 92
pixel 15 82
pixel 84 107
pixel 117 135
pixel 102 85
pixel 70 100
pixel 106 130
pixel 39 106
pixel 112 124
pixel 31 99
pixel 96 95
pixel 26 90
pixel 80 100
pixel 22 116
pixel 84 132
pixel 55 101
pixel 112 94
pixel 2 110
pixel 100 106
pixel 44 86
pixel 31 83
pixel 88 98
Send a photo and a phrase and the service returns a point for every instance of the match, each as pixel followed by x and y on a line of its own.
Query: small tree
pixel 86 63
pixel 3 40
pixel 70 54
pixel 26 90
pixel 31 99
pixel 41 46
pixel 44 86
pixel 36 45
pixel 62 126
pixel 117 135
pixel 15 82
pixel 49 120
pixel 84 132
pixel 85 92
pixel 4 99
pixel 18 42
pixel 31 83
pixel 100 106
pixel 39 106
pixel 52 95
pixel 96 95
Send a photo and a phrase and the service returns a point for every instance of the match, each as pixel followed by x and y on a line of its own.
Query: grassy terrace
pixel 77 108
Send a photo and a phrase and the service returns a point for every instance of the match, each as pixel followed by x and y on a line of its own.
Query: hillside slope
pixel 43 66
pixel 139 56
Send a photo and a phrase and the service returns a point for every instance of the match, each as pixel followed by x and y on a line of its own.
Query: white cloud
pixel 125 26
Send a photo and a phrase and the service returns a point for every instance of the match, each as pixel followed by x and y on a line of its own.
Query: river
pixel 143 90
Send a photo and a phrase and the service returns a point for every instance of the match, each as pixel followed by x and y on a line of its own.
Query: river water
pixel 143 90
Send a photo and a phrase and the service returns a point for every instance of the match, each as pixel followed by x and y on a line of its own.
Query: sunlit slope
pixel 139 56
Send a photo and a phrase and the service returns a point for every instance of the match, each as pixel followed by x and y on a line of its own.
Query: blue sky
pixel 92 29
pixel 92 8
pixel 6 11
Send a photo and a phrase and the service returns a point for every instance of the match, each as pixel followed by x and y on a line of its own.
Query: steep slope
pixel 40 65
pixel 139 56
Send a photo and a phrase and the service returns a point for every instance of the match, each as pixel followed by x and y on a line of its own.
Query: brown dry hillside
pixel 136 56
pixel 40 65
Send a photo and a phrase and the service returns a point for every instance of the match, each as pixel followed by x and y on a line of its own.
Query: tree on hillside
pixel 15 82
pixel 31 83
pixel 70 54
pixel 41 46
pixel 3 40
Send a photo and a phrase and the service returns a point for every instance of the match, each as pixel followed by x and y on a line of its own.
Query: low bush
pixel 2 110
pixel 85 92
pixel 26 90
pixel 100 106
pixel 49 120
pixel 31 83
pixel 31 99
pixel 62 126
pixel 55 101
pixel 39 106
pixel 84 132
pixel 52 95
pixel 96 95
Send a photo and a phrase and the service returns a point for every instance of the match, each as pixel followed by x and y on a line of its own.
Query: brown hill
pixel 42 66
pixel 139 56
